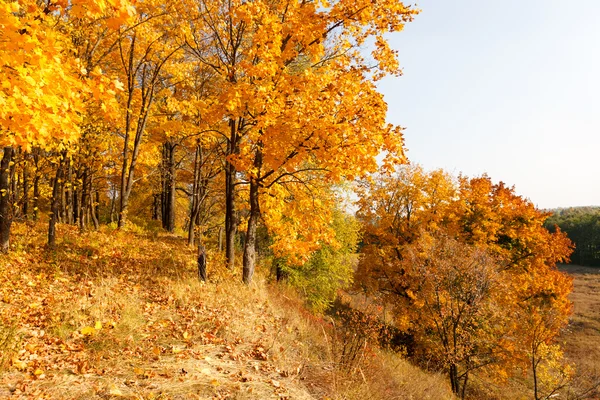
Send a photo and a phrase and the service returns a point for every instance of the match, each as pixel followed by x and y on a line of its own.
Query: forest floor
pixel 581 340
pixel 121 314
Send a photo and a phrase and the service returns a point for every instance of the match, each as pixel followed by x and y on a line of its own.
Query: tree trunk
pixel 5 214
pixel 62 214
pixel 14 186
pixel 196 194
pixel 220 238
pixel 535 377
pixel 36 183
pixel 168 215
pixel 280 273
pixel 84 199
pixel 249 260
pixel 202 262
pixel 155 206
pixel 55 206
pixel 75 204
pixel 97 207
pixel 94 210
pixel 464 385
pixel 454 381
pixel 230 220
pixel 25 190
pixel 70 190
pixel 113 201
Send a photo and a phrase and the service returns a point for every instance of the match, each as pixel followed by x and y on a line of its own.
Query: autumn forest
pixel 204 199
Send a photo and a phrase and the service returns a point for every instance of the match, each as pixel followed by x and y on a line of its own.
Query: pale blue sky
pixel 511 88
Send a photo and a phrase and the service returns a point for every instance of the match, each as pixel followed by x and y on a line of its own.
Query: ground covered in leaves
pixel 121 314
pixel 117 314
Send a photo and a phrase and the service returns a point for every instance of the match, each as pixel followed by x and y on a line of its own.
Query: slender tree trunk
pixel 75 196
pixel 249 261
pixel 168 217
pixel 36 184
pixel 464 385
pixel 230 220
pixel 454 381
pixel 155 206
pixel 123 200
pixel 84 199
pixel 14 185
pixel 62 215
pixel 5 212
pixel 97 207
pixel 196 195
pixel 535 377
pixel 201 262
pixel 113 201
pixel 280 273
pixel 55 206
pixel 26 190
pixel 220 238
pixel 70 190
pixel 94 211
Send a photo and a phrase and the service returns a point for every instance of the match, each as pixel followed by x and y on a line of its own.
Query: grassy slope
pixel 162 334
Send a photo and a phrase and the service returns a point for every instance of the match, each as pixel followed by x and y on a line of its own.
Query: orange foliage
pixel 406 214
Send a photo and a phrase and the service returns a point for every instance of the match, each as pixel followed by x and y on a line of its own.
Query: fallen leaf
pixel 18 364
pixel 88 331
pixel 113 390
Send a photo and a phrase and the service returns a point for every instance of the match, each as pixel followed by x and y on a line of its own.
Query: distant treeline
pixel 582 225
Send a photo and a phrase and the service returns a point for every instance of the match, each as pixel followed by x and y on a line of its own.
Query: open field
pixel 582 339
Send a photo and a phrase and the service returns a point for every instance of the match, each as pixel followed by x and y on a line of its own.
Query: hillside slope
pixel 116 314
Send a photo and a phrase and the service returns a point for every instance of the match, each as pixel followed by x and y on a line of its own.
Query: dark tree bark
pixel 83 208
pixel 155 206
pixel 230 220
pixel 14 185
pixel 168 187
pixel 280 273
pixel 5 209
pixel 249 262
pixel 62 199
pixel 36 183
pixel 55 202
pixel 197 193
pixel 202 262
pixel 75 204
pixel 97 207
pixel 69 196
pixel 26 187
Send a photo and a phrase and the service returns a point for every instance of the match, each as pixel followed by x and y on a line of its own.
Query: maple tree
pixel 290 103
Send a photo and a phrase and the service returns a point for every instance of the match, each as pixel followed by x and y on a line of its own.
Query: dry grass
pixel 582 338
pixel 121 315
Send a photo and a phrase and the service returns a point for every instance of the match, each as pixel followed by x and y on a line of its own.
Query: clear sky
pixel 509 88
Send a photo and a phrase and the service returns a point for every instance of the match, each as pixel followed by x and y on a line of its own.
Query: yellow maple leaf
pixel 88 331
